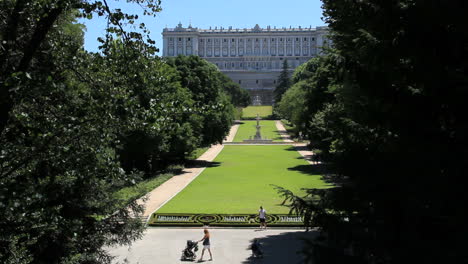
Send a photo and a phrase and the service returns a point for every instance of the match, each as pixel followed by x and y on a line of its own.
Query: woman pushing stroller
pixel 206 244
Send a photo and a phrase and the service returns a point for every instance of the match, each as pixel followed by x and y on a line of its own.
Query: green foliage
pixel 384 111
pixel 312 88
pixel 238 113
pixel 197 153
pixel 70 122
pixel 292 103
pixel 130 193
pixel 284 81
pixel 215 110
pixel 238 95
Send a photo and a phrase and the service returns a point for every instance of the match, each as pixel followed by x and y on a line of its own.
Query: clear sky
pixel 216 13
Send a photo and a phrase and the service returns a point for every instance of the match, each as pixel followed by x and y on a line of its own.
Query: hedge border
pixel 227 220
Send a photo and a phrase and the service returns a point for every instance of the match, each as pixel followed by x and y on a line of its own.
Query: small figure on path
pixel 206 244
pixel 262 216
pixel 256 249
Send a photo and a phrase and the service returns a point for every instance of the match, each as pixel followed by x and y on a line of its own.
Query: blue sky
pixel 216 13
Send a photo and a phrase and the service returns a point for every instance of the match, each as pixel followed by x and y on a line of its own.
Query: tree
pixel 238 95
pixel 292 103
pixel 203 81
pixel 284 82
pixel 394 132
pixel 59 129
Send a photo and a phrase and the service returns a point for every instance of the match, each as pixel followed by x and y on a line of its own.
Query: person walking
pixel 206 244
pixel 262 216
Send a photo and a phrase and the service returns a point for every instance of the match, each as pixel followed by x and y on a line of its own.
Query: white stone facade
pixel 253 57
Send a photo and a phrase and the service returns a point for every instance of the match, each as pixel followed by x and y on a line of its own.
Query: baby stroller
pixel 189 252
pixel 256 249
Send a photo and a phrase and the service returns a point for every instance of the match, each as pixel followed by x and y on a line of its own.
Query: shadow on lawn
pixel 201 163
pixel 312 169
pixel 282 248
pixel 278 137
pixel 324 171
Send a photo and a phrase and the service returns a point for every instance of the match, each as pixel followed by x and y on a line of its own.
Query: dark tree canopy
pixel 284 81
pixel 75 127
pixel 392 133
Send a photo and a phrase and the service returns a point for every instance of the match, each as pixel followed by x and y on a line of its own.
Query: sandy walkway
pixel 229 246
pixel 163 193
pixel 232 132
pixel 305 152
pixel 282 131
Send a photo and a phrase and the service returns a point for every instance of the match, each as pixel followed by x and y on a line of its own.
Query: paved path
pixel 164 245
pixel 232 132
pixel 163 193
pixel 283 132
pixel 305 152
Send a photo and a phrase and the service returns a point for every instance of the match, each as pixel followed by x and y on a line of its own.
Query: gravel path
pixel 232 132
pixel 283 132
pixel 164 245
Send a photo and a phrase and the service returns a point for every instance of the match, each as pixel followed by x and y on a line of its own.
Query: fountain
pixel 258 137
pixel 257 101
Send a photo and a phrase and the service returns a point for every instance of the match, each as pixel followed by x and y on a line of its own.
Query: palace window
pixel 233 40
pixel 297 39
pixel 313 39
pixel 240 82
pixel 273 40
pixel 256 40
pixel 256 81
pixel 180 39
pixel 188 39
pixel 209 40
pixel 225 40
pixel 305 39
pixel 281 39
pixel 171 39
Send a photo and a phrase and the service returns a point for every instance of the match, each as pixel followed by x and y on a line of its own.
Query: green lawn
pixel 247 129
pixel 242 181
pixel 264 111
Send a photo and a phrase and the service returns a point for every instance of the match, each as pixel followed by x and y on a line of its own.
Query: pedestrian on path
pixel 262 216
pixel 206 244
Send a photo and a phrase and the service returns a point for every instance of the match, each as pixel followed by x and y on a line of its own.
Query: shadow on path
pixel 282 248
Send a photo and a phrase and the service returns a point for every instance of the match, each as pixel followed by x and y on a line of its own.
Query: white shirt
pixel 262 213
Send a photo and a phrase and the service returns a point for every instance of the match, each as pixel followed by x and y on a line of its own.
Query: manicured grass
pixel 248 129
pixel 264 111
pixel 127 194
pixel 240 181
pixel 197 153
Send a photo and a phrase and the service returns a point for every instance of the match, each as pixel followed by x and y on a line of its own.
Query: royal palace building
pixel 252 57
